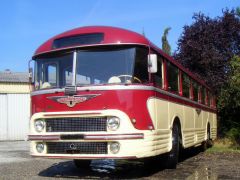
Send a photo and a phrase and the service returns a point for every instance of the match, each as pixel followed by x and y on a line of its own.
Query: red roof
pixel 112 35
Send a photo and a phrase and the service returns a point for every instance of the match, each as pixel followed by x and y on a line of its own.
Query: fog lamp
pixel 113 123
pixel 39 125
pixel 114 147
pixel 40 147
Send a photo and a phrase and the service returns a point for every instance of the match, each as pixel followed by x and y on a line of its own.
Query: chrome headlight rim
pixel 113 123
pixel 39 125
pixel 114 147
pixel 40 147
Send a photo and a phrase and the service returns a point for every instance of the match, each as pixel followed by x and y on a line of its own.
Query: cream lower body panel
pixel 152 142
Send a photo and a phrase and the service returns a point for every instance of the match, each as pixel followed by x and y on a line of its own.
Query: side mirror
pixel 152 63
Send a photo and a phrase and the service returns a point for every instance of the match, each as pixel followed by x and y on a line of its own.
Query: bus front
pixel 91 101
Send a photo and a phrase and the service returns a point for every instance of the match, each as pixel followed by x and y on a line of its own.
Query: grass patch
pixel 224 145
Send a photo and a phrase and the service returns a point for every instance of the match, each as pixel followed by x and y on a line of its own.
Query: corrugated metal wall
pixel 14 116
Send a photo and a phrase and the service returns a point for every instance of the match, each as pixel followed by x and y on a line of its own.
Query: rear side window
pixel 186 85
pixel 172 76
pixel 203 95
pixel 195 91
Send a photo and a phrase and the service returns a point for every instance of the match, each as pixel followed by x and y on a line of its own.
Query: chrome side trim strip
pixel 89 137
pixel 43 137
pixel 114 136
pixel 46 91
pixel 121 87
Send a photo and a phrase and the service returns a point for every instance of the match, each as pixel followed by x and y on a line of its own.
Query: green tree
pixel 165 44
pixel 229 102
pixel 207 45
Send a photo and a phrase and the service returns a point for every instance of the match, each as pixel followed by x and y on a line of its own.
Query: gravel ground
pixel 15 163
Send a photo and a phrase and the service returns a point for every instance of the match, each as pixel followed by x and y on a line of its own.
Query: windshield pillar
pixel 74 68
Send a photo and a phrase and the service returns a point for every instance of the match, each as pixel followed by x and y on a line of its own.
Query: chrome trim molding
pixel 89 137
pixel 121 87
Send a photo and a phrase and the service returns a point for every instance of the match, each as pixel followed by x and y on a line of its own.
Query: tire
pixel 205 144
pixel 172 156
pixel 82 163
pixel 209 141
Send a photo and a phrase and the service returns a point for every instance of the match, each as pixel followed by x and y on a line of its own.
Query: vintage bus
pixel 109 93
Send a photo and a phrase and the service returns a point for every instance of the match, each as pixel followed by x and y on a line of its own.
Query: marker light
pixel 40 147
pixel 114 147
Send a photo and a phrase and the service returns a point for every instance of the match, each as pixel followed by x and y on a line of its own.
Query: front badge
pixel 71 101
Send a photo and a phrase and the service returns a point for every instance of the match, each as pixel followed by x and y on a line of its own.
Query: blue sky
pixel 26 24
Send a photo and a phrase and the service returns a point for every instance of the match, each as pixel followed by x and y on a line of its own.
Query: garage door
pixel 14 116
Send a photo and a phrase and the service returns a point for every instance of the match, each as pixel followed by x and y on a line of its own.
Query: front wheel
pixel 82 163
pixel 172 156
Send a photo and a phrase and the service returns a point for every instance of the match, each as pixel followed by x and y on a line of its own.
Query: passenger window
pixel 195 91
pixel 209 97
pixel 158 78
pixel 203 95
pixel 172 75
pixel 186 85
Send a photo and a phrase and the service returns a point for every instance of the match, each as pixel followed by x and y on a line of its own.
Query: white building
pixel 14 106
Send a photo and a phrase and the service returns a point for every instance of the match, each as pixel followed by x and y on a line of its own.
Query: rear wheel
pixel 82 163
pixel 209 141
pixel 172 156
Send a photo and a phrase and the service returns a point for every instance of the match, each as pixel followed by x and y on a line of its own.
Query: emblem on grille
pixel 73 146
pixel 71 101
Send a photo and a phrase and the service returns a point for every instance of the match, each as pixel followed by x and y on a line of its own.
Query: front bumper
pixel 133 143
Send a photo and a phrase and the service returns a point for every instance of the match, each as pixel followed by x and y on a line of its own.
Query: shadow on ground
pixel 112 169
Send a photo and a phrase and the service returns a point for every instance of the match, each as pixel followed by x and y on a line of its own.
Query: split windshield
pixel 92 67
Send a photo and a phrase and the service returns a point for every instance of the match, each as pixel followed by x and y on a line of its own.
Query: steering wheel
pixel 129 76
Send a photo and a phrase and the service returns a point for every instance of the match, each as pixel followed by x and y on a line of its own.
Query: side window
pixel 50 75
pixel 195 91
pixel 172 76
pixel 186 85
pixel 203 95
pixel 209 97
pixel 141 65
pixel 158 78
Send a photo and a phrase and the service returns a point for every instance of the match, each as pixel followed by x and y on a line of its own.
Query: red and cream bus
pixel 104 92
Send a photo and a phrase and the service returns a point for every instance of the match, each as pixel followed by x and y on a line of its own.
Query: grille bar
pixel 77 147
pixel 76 124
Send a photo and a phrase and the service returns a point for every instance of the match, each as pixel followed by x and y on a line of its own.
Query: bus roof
pixel 112 35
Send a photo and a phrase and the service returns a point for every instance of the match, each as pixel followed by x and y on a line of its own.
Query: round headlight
pixel 40 147
pixel 114 147
pixel 113 123
pixel 39 125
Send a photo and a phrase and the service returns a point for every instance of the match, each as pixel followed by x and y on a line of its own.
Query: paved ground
pixel 15 163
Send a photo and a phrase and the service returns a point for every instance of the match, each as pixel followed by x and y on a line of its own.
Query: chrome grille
pixel 76 124
pixel 77 147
